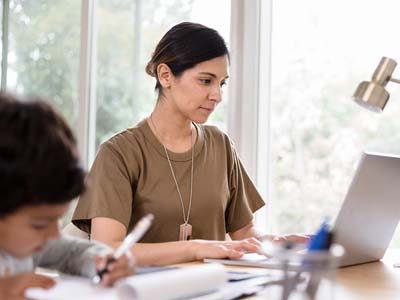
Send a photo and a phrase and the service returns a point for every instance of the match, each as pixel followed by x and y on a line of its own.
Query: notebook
pixel 180 283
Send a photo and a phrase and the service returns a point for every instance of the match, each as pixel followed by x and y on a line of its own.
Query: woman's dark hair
pixel 184 46
pixel 39 162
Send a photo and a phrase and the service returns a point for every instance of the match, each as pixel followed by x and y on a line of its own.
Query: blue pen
pixel 322 239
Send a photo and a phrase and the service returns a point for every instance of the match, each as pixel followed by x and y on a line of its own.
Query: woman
pixel 187 174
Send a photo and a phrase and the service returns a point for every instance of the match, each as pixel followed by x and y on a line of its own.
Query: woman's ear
pixel 165 75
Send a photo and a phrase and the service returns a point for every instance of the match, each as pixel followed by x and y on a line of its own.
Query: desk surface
pixel 372 281
pixel 378 280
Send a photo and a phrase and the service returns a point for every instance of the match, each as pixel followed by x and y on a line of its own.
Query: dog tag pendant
pixel 185 232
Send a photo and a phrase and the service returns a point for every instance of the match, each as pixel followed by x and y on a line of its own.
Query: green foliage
pixel 128 33
pixel 44 48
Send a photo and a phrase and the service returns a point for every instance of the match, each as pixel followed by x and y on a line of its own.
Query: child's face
pixel 27 230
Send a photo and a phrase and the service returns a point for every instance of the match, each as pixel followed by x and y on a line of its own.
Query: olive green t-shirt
pixel 131 177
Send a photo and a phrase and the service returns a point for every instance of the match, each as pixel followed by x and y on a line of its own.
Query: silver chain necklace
pixel 185 229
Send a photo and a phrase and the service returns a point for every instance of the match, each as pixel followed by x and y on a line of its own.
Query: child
pixel 40 174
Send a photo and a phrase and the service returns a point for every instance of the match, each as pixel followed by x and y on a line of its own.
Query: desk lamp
pixel 372 94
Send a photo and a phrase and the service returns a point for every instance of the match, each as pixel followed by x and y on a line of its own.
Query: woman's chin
pixel 200 119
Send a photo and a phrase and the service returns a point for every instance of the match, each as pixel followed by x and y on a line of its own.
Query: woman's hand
pixel 224 249
pixel 123 267
pixel 293 238
pixel 13 287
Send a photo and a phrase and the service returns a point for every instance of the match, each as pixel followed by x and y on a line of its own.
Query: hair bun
pixel 150 68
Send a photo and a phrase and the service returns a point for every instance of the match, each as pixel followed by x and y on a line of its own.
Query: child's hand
pixel 13 287
pixel 124 266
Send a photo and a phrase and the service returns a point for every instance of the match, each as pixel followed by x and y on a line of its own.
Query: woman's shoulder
pixel 126 140
pixel 216 135
pixel 213 131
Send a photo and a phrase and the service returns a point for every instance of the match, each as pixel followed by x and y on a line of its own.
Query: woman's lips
pixel 207 109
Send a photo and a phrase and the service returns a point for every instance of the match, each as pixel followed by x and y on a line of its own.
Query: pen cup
pixel 307 275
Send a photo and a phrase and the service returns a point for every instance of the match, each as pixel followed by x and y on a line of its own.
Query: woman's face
pixel 197 91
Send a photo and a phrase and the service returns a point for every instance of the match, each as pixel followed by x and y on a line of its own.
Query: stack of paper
pixel 166 285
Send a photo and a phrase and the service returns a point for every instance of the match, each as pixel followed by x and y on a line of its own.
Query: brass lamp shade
pixel 372 94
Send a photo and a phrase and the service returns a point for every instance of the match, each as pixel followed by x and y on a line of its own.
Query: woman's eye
pixel 223 83
pixel 205 81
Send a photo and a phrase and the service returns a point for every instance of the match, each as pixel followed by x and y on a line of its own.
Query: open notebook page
pixel 167 285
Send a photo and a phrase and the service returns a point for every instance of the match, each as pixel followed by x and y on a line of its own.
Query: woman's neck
pixel 172 129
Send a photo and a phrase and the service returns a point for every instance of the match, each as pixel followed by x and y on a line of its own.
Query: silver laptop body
pixel 371 210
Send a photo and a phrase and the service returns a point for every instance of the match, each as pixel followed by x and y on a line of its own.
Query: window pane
pixel 1 40
pixel 127 34
pixel 321 51
pixel 43 54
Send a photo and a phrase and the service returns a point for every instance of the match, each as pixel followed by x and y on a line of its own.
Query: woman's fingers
pixel 298 238
pixel 247 245
pixel 233 254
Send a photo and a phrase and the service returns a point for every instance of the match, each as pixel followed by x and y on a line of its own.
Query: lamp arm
pixel 395 80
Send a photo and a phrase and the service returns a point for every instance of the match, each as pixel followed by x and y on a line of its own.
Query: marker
pixel 136 234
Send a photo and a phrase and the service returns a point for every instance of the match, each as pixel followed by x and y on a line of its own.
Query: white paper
pixel 165 285
pixel 175 284
pixel 73 288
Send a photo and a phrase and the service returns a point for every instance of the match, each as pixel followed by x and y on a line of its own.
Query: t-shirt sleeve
pixel 244 197
pixel 109 193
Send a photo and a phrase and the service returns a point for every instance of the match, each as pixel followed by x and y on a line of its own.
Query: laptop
pixel 370 212
pixel 367 219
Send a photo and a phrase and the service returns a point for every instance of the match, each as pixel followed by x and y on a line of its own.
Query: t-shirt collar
pixel 185 156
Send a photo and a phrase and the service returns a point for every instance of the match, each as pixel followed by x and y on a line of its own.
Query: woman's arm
pixel 250 230
pixel 112 233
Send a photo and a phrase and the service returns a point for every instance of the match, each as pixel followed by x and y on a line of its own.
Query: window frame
pixel 249 91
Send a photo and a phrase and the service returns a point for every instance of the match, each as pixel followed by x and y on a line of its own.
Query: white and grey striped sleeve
pixel 71 255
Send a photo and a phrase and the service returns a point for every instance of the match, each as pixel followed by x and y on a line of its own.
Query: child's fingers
pixel 24 281
pixel 122 267
pixel 100 262
pixel 124 262
pixel 111 277
pixel 104 261
pixel 35 280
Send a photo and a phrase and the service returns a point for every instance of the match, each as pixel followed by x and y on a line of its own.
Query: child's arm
pixel 13 287
pixel 71 256
pixel 78 257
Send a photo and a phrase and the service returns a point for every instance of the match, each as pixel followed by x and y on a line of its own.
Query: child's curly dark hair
pixel 39 161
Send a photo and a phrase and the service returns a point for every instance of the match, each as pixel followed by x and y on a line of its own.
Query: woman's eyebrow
pixel 212 74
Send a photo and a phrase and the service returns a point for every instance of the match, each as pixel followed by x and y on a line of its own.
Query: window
pixel 321 50
pixel 47 39
pixel 43 53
